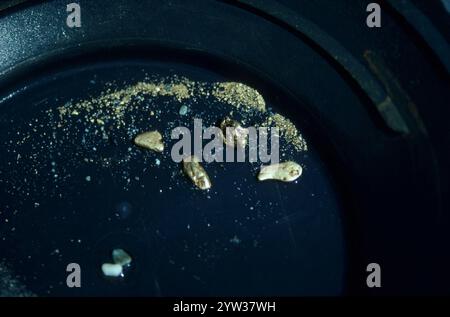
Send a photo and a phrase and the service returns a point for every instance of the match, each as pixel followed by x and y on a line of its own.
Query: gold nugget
pixel 193 169
pixel 150 140
pixel 238 133
pixel 285 172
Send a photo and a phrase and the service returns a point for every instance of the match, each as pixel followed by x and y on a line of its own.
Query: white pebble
pixel 183 110
pixel 121 257
pixel 113 270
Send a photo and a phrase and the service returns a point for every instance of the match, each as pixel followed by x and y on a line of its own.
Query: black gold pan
pixel 91 118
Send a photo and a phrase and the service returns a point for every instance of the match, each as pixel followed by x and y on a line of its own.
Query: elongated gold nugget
pixel 193 169
pixel 150 140
pixel 285 172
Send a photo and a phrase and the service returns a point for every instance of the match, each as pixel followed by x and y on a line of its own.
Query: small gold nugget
pixel 193 169
pixel 150 140
pixel 238 133
pixel 285 172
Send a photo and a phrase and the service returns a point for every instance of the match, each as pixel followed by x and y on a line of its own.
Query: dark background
pixel 396 184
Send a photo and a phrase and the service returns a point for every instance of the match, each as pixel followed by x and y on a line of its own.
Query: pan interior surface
pixel 74 187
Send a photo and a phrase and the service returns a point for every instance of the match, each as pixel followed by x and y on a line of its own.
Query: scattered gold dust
pixel 239 95
pixel 288 131
pixel 111 107
pixel 113 104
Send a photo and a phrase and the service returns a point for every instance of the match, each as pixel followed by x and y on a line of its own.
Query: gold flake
pixel 150 140
pixel 233 133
